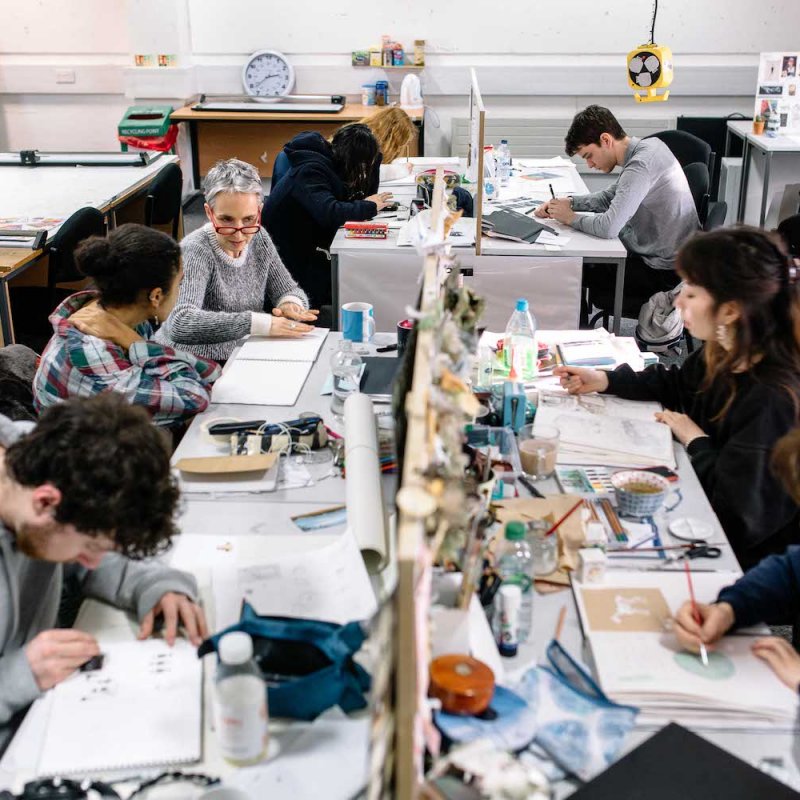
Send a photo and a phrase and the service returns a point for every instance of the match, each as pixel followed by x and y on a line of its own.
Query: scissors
pixel 699 548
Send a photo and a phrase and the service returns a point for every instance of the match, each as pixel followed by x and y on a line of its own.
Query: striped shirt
pixel 219 293
pixel 170 384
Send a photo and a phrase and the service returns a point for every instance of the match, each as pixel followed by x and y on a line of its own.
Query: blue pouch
pixel 308 665
pixel 558 707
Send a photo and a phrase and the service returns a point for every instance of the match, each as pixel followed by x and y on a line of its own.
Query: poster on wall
pixel 777 95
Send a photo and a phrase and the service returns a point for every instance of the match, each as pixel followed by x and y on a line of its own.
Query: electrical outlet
pixel 65 76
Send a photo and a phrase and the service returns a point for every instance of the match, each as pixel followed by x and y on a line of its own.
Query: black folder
pixel 510 225
pixel 676 764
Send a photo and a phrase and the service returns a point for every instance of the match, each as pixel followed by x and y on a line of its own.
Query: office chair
pixel 279 169
pixel 697 176
pixel 789 229
pixel 162 204
pixel 687 148
pixel 85 222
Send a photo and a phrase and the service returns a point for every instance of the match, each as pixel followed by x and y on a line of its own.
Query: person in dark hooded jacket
pixel 328 184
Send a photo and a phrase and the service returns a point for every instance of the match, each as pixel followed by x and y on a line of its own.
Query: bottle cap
pixel 504 141
pixel 515 531
pixel 522 304
pixel 235 648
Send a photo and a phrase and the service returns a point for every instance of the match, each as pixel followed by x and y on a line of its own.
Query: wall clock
pixel 267 73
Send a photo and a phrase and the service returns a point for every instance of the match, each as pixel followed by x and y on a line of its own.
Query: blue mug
pixel 358 323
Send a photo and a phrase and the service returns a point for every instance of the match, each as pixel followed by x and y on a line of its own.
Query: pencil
pixel 555 527
pixel 695 611
pixel 562 615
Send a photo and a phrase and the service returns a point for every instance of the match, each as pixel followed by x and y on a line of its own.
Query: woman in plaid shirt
pixel 103 339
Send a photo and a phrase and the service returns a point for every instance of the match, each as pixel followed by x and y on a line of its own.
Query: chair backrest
pixel 85 222
pixel 715 218
pixel 279 168
pixel 162 204
pixel 697 178
pixel 789 229
pixel 686 147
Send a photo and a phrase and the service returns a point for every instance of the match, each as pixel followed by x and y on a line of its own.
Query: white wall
pixel 533 58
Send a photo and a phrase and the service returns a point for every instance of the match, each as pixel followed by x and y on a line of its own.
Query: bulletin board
pixel 778 89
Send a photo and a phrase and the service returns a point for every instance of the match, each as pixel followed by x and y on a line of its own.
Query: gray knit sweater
pixel 650 207
pixel 219 294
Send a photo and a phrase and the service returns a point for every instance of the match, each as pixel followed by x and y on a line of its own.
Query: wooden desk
pixel 59 192
pixel 258 136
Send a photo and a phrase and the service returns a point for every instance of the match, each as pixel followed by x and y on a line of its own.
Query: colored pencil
pixel 555 527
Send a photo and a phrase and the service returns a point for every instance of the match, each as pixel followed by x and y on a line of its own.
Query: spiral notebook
pixel 143 708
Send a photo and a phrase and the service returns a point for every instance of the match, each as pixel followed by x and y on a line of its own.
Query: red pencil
pixel 695 611
pixel 558 524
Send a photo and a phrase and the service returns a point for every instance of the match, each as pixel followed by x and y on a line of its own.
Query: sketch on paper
pixel 626 610
pixel 720 667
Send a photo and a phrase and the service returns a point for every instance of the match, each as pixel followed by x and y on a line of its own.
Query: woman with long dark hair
pixel 732 400
pixel 328 184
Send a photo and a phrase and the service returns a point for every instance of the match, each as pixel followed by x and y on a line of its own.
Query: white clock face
pixel 267 74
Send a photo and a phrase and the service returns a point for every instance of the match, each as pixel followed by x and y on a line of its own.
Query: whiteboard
pixel 613 27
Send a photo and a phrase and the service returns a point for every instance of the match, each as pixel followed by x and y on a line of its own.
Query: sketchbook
pixel 599 437
pixel 143 708
pixel 273 348
pixel 261 383
pixel 639 662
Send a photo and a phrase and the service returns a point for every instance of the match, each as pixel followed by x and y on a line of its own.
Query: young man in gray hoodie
pixel 83 493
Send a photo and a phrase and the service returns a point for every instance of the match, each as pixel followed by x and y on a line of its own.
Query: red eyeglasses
pixel 229 230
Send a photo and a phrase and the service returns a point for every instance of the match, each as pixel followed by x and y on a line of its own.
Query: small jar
pixel 544 549
pixel 382 93
pixel 419 52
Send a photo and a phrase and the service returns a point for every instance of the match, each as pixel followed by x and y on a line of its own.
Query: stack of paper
pixel 641 664
pixel 602 429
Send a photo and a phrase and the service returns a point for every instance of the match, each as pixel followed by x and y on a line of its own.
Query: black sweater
pixel 733 460
pixel 304 211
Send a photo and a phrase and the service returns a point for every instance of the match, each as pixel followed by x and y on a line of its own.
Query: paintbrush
pixel 695 612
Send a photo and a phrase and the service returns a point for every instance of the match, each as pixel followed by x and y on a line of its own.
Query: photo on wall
pixel 776 99
pixel 789 67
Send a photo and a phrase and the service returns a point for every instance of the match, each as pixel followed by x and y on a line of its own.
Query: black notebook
pixel 676 764
pixel 510 225
pixel 378 378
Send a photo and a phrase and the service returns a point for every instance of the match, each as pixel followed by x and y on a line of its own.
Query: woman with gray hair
pixel 232 273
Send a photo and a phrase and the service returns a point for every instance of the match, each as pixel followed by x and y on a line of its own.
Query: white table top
pixel 783 143
pixel 60 191
pixel 267 516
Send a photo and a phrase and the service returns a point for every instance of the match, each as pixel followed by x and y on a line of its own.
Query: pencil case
pixel 366 230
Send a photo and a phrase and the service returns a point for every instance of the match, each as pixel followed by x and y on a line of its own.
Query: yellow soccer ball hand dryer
pixel 650 69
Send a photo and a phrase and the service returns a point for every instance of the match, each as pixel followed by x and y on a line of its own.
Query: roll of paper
pixel 365 512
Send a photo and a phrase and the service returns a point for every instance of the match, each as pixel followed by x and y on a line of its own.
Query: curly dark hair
pixel 111 465
pixel 131 260
pixel 587 125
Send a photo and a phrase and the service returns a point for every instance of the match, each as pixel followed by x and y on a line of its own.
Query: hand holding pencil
pixel 715 620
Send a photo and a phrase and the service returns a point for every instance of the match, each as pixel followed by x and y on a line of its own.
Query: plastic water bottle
pixel 503 159
pixel 520 349
pixel 240 701
pixel 346 366
pixel 489 173
pixel 516 569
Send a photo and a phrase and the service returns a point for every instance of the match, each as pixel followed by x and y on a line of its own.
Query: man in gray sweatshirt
pixel 85 491
pixel 650 207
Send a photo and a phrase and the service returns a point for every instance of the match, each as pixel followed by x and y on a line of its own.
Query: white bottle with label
pixel 240 702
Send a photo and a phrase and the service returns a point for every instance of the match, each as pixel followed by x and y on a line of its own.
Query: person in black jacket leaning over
pixel 732 400
pixel 327 185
